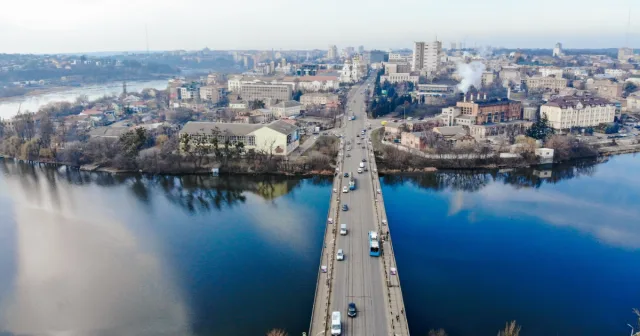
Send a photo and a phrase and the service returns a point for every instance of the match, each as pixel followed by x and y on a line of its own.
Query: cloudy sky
pixel 57 26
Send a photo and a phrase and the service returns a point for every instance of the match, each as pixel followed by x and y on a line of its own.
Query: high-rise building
pixel 557 51
pixel 426 56
pixel 360 49
pixel 624 54
pixel 333 52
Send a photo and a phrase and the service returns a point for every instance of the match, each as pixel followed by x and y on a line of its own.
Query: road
pixel 359 278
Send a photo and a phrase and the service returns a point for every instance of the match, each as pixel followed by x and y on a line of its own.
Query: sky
pixel 70 26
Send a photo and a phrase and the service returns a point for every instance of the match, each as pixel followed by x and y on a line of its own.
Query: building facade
pixel 277 138
pixel 287 109
pixel 488 111
pixel 415 140
pixel 571 111
pixel 540 83
pixel 400 77
pixel 551 71
pixel 262 91
pixel 426 57
pixel 318 99
pixel 210 93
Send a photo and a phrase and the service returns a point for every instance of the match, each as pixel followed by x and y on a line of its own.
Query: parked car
pixel 345 189
pixel 346 174
pixel 345 207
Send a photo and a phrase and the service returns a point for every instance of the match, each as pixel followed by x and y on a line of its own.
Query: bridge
pixel 372 283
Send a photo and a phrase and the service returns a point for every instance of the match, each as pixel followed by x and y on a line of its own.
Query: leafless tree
pixel 277 332
pixel 510 329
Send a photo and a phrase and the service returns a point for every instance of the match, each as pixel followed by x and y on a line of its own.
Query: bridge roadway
pixel 359 278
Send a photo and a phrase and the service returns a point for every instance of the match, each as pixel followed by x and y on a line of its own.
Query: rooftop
pixel 282 127
pixel 289 103
pixel 198 127
pixel 572 101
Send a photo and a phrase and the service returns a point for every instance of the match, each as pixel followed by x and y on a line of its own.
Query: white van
pixel 336 324
pixel 343 229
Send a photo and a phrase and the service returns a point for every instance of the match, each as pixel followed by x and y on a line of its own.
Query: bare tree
pixel 510 329
pixel 277 332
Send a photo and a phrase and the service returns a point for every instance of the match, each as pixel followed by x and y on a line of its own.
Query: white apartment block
pixel 551 71
pixel 318 99
pixel 426 56
pixel 400 77
pixel 570 111
pixel 262 91
pixel 312 83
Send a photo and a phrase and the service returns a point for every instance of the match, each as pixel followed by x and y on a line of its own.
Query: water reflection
pixel 151 255
pixel 79 270
pixel 472 181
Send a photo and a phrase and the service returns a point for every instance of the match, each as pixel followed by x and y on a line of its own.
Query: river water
pixel 159 255
pixel 9 107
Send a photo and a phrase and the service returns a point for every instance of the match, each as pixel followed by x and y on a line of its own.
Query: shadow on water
pixel 473 181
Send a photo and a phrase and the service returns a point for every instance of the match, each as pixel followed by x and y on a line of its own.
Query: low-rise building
pixel 487 79
pixel 287 109
pixel 318 99
pixel 401 77
pixel 277 138
pixel 567 112
pixel 415 140
pixel 494 110
pixel 515 128
pixel 633 102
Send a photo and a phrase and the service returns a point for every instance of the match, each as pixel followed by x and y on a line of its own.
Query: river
pixel 555 250
pixel 9 106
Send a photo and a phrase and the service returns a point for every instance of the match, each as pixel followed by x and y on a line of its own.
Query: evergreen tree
pixel 541 129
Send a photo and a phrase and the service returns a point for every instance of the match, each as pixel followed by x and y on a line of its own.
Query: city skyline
pixel 75 26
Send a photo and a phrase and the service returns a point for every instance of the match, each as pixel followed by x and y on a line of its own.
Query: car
pixel 345 207
pixel 349 148
pixel 352 311
pixel 346 174
pixel 362 147
pixel 340 255
pixel 364 160
pixel 348 155
pixel 345 189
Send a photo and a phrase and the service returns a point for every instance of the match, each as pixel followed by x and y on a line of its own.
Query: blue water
pixel 157 255
pixel 161 255
pixel 560 255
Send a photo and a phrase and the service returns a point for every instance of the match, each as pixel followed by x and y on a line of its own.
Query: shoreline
pixel 384 171
pixel 62 88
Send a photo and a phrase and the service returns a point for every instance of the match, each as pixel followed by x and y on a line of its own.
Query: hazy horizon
pixel 82 26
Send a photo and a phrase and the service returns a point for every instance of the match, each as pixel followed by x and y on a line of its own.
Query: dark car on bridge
pixel 345 207
pixel 352 311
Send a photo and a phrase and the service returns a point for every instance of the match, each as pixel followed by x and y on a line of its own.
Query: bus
pixel 352 182
pixel 374 244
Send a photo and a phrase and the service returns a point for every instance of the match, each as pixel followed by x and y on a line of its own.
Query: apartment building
pixel 262 91
pixel 318 99
pixel 573 111
pixel 541 83
pixel 312 83
pixel 488 77
pixel 287 109
pixel 399 58
pixel 210 93
pixel 633 102
pixel 426 56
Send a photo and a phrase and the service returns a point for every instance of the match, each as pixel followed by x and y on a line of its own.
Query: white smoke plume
pixel 471 74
